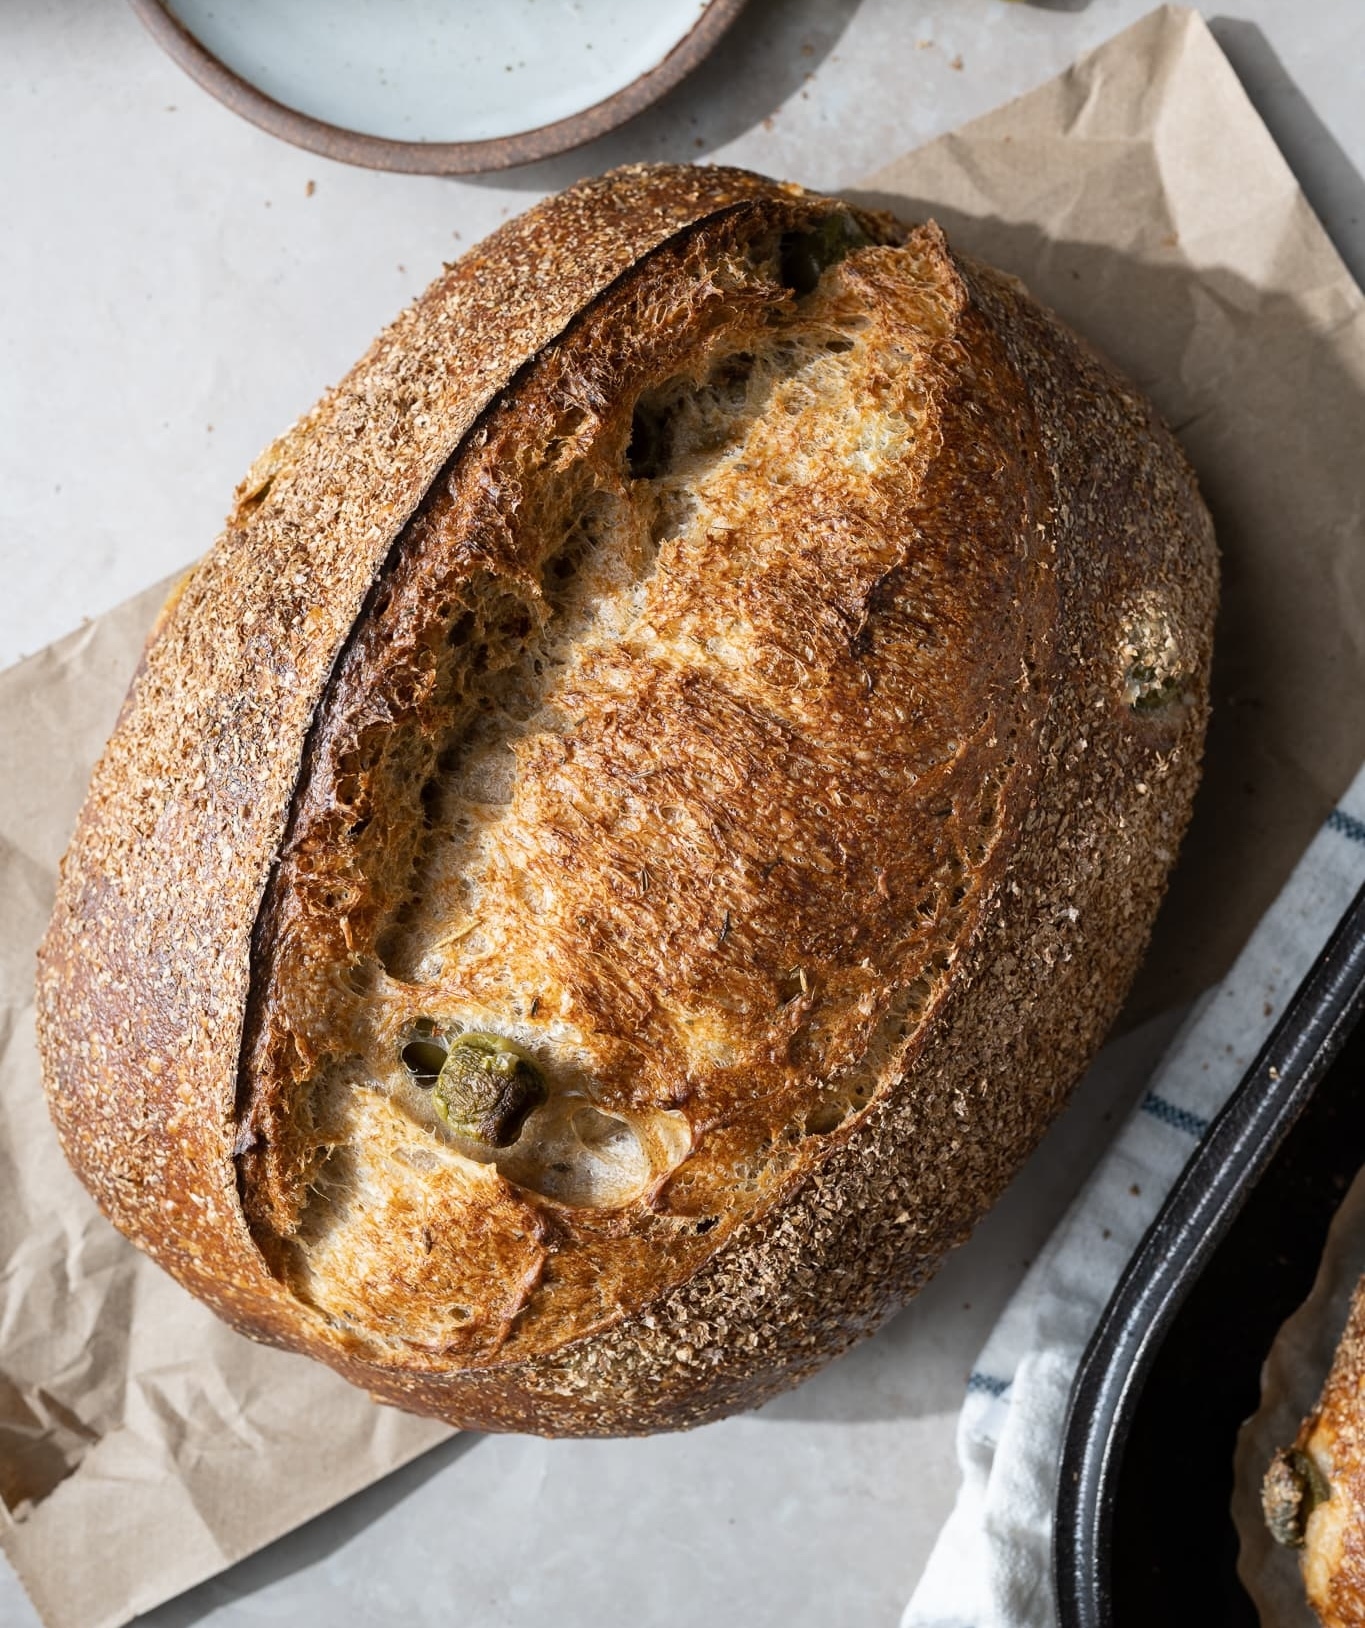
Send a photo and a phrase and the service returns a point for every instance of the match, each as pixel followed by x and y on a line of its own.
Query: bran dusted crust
pixel 1058 533
pixel 1332 1558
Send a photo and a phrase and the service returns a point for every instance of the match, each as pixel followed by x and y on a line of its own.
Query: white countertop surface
pixel 177 287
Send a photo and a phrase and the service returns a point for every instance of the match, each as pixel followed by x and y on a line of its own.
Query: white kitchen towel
pixel 992 1564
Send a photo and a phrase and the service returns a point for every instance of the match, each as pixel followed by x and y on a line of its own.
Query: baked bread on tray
pixel 628 838
pixel 1313 1494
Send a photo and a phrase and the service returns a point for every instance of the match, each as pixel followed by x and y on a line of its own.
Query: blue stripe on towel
pixel 1180 1119
pixel 987 1383
pixel 1347 824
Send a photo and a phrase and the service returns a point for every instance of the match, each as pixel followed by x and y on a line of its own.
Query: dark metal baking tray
pixel 1143 1532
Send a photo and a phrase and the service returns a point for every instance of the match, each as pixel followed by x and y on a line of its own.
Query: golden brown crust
pixel 142 981
pixel 933 711
pixel 1323 1477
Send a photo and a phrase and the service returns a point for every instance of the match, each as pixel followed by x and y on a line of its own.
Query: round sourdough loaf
pixel 624 844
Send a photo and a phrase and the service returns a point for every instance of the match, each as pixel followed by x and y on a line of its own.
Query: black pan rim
pixel 1196 1216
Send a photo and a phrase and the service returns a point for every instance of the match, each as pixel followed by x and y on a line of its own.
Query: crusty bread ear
pixel 628 838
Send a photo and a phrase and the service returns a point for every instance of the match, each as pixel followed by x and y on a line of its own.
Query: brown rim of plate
pixel 435 157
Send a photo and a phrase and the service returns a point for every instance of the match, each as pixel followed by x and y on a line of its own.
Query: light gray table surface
pixel 175 287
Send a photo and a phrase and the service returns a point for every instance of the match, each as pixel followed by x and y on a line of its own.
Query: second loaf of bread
pixel 629 837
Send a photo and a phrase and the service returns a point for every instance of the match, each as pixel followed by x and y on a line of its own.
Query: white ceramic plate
pixel 444 85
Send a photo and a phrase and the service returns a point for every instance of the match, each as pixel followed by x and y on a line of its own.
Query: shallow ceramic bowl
pixel 437 87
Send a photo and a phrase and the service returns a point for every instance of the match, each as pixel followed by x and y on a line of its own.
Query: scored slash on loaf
pixel 621 848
